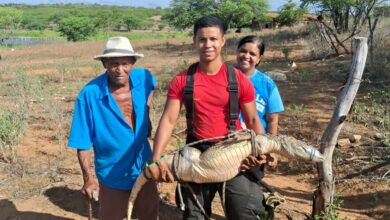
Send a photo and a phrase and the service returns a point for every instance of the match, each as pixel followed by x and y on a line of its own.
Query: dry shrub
pixel 12 127
pixel 13 119
pixel 378 61
pixel 316 44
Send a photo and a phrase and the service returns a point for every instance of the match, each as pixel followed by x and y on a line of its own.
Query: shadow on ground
pixel 71 200
pixel 9 212
pixel 377 202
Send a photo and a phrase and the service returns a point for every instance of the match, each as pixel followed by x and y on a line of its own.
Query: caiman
pixel 222 161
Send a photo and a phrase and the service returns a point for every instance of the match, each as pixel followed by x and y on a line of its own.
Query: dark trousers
pixel 113 203
pixel 243 198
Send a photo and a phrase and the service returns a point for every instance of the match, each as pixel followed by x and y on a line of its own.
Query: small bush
pixel 331 213
pixel 161 26
pixel 76 28
pixel 316 44
pixel 290 14
pixel 372 110
pixel 378 60
pixel 12 127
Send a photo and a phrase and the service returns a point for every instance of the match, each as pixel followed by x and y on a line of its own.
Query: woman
pixel 268 100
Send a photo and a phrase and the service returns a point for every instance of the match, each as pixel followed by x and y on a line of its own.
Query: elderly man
pixel 111 117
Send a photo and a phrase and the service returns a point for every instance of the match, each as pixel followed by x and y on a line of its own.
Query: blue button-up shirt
pixel 119 150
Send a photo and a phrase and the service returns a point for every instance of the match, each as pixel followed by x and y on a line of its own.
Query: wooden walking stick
pixel 89 209
pixel 95 197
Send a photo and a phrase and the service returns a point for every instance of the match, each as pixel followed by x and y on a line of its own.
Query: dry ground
pixel 44 180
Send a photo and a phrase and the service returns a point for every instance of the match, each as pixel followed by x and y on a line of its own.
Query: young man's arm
pixel 162 137
pixel 90 184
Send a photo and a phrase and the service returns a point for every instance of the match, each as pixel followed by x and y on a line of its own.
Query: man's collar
pixel 104 86
pixel 134 79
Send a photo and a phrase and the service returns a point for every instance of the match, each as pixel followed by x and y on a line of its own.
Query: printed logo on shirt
pixel 260 103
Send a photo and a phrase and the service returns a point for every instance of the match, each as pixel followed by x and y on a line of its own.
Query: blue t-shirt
pixel 267 96
pixel 119 150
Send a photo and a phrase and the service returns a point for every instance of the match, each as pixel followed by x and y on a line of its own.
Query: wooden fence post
pixel 324 193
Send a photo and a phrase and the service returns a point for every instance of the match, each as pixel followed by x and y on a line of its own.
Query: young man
pixel 211 118
pixel 111 116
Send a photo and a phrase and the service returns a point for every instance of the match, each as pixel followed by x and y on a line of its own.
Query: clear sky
pixel 275 4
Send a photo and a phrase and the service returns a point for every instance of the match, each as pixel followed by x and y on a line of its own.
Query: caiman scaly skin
pixel 222 161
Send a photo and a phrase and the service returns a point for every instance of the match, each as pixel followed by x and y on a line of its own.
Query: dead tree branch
pixel 324 192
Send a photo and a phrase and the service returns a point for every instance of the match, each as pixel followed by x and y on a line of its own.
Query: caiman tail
pixel 139 183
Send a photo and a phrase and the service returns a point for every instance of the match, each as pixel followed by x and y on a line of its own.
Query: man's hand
pixel 161 172
pixel 272 160
pixel 251 161
pixel 89 188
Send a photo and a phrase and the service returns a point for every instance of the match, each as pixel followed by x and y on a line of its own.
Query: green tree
pixel 185 12
pixel 241 13
pixel 132 22
pixel 235 13
pixel 338 11
pixel 10 19
pixel 35 25
pixel 290 14
pixel 76 28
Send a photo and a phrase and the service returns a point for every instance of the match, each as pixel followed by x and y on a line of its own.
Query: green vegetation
pixel 76 28
pixel 372 110
pixel 140 35
pixel 75 22
pixel 35 33
pixel 331 212
pixel 13 121
pixel 290 14
pixel 12 126
pixel 132 22
pixel 10 19
pixel 235 13
pixel 42 17
pixel 104 35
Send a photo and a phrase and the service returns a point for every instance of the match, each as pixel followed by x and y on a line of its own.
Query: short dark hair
pixel 253 39
pixel 209 21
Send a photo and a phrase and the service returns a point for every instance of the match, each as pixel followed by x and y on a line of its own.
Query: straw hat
pixel 118 47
